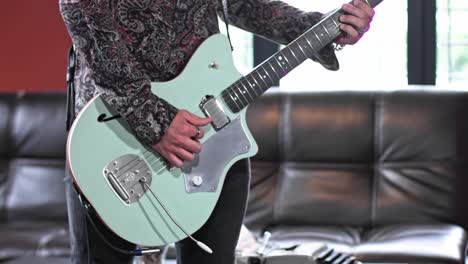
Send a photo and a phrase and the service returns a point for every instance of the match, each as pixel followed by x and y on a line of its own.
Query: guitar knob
pixel 197 180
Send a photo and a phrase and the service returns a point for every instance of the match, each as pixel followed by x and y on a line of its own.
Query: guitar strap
pixel 225 18
pixel 70 78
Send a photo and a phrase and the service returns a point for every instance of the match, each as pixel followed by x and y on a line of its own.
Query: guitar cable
pixel 136 252
pixel 199 243
pixel 142 251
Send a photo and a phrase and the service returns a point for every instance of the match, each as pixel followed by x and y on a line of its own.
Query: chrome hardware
pixel 214 65
pixel 197 180
pixel 126 179
pixel 213 108
pixel 218 151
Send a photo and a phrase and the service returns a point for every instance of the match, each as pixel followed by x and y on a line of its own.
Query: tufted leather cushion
pixel 436 244
pixel 418 164
pixel 33 218
pixel 379 174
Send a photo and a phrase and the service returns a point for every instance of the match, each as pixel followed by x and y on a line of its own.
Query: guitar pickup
pixel 212 108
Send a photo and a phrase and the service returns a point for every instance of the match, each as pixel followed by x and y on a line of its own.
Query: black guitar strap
pixel 225 18
pixel 71 87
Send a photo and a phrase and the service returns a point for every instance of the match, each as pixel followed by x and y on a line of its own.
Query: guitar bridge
pixel 124 176
pixel 212 108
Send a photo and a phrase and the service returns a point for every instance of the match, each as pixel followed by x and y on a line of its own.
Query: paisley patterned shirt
pixel 123 45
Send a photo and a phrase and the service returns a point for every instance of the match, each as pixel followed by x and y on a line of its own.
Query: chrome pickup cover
pixel 212 108
pixel 124 175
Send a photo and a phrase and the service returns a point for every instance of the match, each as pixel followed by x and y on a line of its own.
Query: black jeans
pixel 220 232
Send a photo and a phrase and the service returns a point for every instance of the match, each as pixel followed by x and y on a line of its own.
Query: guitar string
pixel 154 163
pixel 227 93
pixel 227 97
pixel 160 159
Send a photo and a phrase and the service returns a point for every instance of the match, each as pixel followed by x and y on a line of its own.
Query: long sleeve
pixel 277 21
pixel 115 71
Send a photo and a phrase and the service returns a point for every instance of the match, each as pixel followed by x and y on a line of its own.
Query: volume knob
pixel 197 180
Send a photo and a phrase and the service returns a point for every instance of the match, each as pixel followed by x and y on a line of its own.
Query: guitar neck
pixel 245 90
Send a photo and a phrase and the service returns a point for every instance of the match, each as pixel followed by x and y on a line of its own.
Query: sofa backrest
pixel 32 156
pixel 359 158
pixel 326 158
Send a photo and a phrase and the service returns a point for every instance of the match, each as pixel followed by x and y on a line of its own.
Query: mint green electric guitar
pixel 131 187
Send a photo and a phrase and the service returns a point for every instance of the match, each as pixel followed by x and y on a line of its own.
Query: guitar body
pixel 130 186
pixel 107 162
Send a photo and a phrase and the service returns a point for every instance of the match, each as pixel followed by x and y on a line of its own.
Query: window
pixel 452 42
pixel 242 41
pixel 379 59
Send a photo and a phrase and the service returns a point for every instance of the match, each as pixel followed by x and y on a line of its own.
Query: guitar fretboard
pixel 245 90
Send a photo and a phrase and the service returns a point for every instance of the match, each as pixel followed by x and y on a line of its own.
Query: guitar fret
pixel 266 85
pixel 252 86
pixel 255 80
pixel 237 100
pixel 238 97
pixel 242 92
pixel 299 45
pixel 233 99
pixel 286 59
pixel 336 24
pixel 318 38
pixel 326 30
pixel 279 77
pixel 247 90
pixel 267 74
pixel 281 66
pixel 310 44
pixel 293 54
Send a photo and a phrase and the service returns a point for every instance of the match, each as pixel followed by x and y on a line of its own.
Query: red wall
pixel 33 46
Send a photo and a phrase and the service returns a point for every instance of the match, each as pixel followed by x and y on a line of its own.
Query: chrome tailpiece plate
pixel 127 176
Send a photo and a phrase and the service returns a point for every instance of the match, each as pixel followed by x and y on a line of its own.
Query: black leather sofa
pixel 381 175
pixel 33 218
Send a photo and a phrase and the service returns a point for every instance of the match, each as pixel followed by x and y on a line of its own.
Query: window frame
pixel 422 43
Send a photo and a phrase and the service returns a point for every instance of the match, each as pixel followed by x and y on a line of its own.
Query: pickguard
pixel 207 168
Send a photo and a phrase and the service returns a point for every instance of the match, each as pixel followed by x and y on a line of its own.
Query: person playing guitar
pixel 123 46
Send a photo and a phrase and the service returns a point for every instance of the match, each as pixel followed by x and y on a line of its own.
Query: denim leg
pixel 87 246
pixel 221 231
pixel 79 253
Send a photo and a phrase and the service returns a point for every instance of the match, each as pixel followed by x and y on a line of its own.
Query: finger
pixel 352 10
pixel 357 23
pixel 174 160
pixel 353 35
pixel 189 130
pixel 190 145
pixel 341 40
pixel 196 120
pixel 365 7
pixel 184 155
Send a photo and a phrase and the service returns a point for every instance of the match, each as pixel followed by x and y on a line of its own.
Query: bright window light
pixel 378 61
